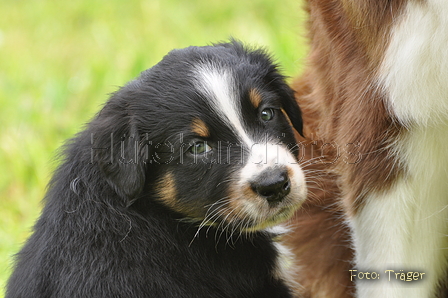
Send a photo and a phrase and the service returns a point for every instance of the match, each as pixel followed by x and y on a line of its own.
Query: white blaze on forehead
pixel 219 86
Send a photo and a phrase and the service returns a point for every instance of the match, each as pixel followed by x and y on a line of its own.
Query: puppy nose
pixel 273 185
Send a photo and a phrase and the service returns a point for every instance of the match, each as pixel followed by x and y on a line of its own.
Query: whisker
pixel 209 216
pixel 222 230
pixel 224 181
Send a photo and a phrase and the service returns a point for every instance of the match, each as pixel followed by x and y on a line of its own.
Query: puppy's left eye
pixel 267 114
pixel 200 148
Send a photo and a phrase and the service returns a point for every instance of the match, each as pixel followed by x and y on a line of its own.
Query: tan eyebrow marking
pixel 200 128
pixel 255 97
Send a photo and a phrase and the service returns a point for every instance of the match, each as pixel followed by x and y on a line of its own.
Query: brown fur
pixel 319 238
pixel 346 50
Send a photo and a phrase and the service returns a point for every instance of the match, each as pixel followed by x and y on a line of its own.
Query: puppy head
pixel 207 133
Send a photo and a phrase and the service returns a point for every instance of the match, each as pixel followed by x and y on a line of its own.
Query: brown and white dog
pixel 375 102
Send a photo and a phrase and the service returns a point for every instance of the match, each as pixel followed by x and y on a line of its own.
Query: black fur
pixel 104 232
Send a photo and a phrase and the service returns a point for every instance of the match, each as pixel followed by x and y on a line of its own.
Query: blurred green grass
pixel 60 59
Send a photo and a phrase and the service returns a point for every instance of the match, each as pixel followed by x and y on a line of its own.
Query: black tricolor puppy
pixel 172 189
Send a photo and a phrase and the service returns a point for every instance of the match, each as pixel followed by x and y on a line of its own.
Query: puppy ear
pixel 292 110
pixel 125 173
pixel 119 152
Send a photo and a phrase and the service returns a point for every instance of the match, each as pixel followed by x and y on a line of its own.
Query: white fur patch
pixel 415 68
pixel 267 154
pixel 278 230
pixel 285 268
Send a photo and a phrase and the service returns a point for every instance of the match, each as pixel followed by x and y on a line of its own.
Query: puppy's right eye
pixel 199 148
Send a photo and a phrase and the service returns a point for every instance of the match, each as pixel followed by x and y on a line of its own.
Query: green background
pixel 59 60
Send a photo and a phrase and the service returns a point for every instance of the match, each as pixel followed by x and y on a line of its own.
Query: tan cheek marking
pixel 200 128
pixel 234 202
pixel 168 196
pixel 248 192
pixel 255 97
pixel 166 190
pixel 238 197
pixel 290 172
